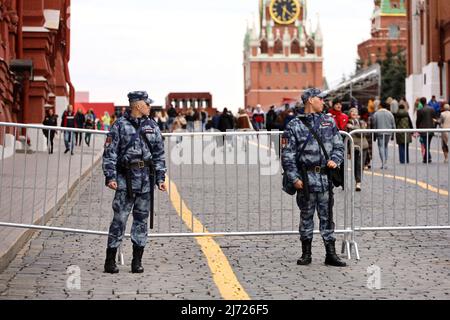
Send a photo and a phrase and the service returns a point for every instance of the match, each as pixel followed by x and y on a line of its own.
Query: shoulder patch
pixel 149 130
pixel 284 142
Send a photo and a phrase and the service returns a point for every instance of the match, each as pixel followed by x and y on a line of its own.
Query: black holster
pixel 331 224
pixel 128 179
pixel 305 179
pixel 126 171
pixel 152 194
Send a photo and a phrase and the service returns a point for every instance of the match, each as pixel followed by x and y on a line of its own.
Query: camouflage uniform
pixel 295 137
pixel 117 140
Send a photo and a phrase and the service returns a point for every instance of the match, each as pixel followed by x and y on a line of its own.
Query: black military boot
pixel 306 253
pixel 136 263
pixel 110 262
pixel 331 258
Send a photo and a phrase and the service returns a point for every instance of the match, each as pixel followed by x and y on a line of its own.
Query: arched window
pixel 278 47
pixel 295 47
pixel 264 47
pixel 310 46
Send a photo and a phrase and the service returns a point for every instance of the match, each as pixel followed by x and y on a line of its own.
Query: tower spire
pixel 318 37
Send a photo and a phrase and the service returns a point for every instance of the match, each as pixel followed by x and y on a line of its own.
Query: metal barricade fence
pixel 413 195
pixel 38 187
pixel 225 184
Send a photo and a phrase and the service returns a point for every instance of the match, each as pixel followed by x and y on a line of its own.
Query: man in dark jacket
pixel 426 119
pixel 226 121
pixel 79 121
pixel 51 120
pixel 271 119
pixel 68 121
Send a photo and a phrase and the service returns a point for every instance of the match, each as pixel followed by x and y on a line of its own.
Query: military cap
pixel 311 93
pixel 139 96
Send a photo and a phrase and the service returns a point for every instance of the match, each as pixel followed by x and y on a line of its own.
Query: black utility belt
pixel 318 170
pixel 138 165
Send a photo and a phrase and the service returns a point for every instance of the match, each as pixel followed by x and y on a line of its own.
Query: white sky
pixel 190 45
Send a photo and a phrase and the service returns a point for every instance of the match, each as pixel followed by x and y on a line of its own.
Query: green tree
pixel 393 73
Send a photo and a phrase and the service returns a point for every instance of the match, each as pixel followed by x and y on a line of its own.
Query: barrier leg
pixel 120 256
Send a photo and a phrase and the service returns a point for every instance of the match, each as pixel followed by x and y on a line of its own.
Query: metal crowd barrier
pixel 409 196
pixel 220 184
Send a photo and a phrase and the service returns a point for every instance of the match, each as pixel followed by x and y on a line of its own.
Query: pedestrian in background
pixel 80 120
pixel 361 145
pixel 271 119
pixel 226 121
pixel 339 117
pixel 106 119
pixel 403 121
pixel 383 119
pixel 426 119
pixel 68 121
pixel 51 120
pixel 444 123
pixel 203 118
pixel 172 113
pixel 190 120
pixel 243 121
pixel 366 117
pixel 90 125
pixel 258 118
pixel 433 103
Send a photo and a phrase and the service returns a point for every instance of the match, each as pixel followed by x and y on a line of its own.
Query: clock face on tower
pixel 285 11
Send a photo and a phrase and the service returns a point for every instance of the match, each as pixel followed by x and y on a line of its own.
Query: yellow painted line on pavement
pixel 421 184
pixel 221 270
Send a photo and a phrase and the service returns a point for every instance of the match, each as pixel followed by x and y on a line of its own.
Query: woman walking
pixel 89 124
pixel 106 119
pixel 361 145
pixel 403 121
pixel 80 120
pixel 444 122
pixel 51 120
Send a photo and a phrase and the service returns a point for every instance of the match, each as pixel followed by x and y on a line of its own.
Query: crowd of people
pixel 76 120
pixel 388 114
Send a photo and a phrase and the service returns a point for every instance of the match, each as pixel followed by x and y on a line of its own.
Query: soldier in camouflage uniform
pixel 304 162
pixel 134 150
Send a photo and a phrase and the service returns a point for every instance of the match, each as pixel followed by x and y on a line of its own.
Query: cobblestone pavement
pixel 413 265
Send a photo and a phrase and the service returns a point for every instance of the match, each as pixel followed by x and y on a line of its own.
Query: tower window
pixel 279 47
pixel 286 68
pixel 268 69
pixel 264 47
pixel 395 4
pixel 394 31
pixel 295 47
